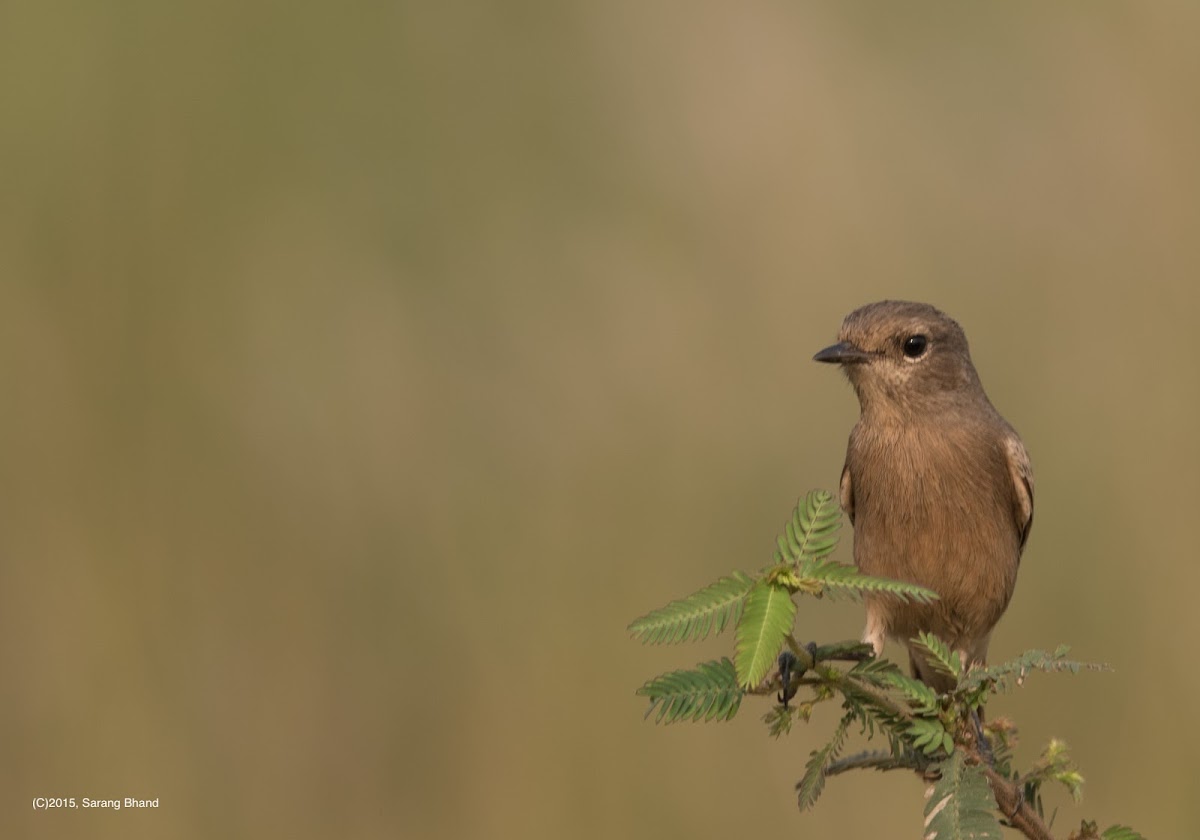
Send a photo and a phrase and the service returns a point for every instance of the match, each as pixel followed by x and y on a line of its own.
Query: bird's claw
pixel 981 740
pixel 787 662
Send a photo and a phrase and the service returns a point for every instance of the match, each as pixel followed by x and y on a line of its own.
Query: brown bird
pixel 937 484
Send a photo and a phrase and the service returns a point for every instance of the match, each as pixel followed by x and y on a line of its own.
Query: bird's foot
pixel 788 667
pixel 982 744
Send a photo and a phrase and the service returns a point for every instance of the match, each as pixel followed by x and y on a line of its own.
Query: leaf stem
pixel 874 760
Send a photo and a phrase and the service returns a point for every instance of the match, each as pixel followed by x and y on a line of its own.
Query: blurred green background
pixel 367 367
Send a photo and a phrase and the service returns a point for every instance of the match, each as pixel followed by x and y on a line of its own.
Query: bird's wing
pixel 1022 476
pixel 846 492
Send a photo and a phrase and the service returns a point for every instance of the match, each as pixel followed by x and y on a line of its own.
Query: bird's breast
pixel 931 507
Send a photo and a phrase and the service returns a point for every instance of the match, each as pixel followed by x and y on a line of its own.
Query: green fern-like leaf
pixel 710 692
pixel 927 735
pixel 1055 764
pixel 779 719
pixel 812 532
pixel 923 698
pixel 874 671
pixel 939 655
pixel 960 807
pixel 842 579
pixel 1002 675
pixel 877 720
pixel 766 620
pixel 872 707
pixel 691 619
pixel 809 788
pixel 1120 832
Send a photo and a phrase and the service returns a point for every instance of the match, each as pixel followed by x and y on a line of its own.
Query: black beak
pixel 842 353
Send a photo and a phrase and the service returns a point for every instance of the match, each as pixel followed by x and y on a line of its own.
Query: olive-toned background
pixel 367 367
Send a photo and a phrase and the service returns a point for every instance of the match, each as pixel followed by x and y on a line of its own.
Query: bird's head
pixel 900 355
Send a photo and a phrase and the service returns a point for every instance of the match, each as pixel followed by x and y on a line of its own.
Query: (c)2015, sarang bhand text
pixel 50 803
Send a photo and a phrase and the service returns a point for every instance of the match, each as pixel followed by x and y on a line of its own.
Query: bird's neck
pixel 904 409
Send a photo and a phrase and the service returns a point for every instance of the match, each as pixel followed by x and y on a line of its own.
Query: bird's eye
pixel 914 346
